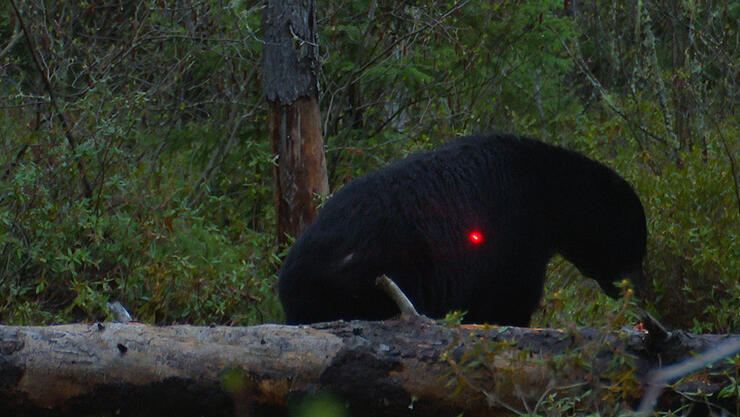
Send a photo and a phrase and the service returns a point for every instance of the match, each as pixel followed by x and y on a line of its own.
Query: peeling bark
pixel 291 87
pixel 300 172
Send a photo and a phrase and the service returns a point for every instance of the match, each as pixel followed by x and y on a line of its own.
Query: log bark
pixel 291 88
pixel 412 367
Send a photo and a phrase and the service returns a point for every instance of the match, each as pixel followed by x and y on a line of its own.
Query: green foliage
pixel 695 242
pixel 693 214
pixel 596 378
pixel 405 68
pixel 166 123
pixel 165 261
pixel 453 319
pixel 562 305
pixel 178 223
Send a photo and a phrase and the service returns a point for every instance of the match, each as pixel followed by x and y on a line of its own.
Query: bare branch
pixel 87 190
pixel 403 302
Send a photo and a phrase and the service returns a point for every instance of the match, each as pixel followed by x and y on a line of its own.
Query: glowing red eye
pixel 475 237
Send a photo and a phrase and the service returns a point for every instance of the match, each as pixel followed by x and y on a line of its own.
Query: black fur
pixel 411 220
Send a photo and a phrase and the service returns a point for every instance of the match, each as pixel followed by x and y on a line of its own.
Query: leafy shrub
pixel 135 240
pixel 693 251
pixel 169 129
pixel 693 267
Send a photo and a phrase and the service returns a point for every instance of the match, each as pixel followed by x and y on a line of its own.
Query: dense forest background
pixel 135 163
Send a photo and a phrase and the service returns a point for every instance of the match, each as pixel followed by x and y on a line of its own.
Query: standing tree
pixel 291 88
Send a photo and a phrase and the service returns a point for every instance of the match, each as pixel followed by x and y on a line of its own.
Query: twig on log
pixel 658 379
pixel 403 302
pixel 119 312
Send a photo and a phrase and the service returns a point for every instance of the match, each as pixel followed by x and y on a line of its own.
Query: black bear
pixel 469 226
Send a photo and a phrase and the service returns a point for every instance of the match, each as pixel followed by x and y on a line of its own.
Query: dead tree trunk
pixel 411 367
pixel 291 88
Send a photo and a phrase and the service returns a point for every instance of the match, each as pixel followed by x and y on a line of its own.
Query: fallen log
pixel 412 366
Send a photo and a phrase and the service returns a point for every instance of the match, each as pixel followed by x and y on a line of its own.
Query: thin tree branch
pixel 660 378
pixel 733 167
pixel 28 251
pixel 16 37
pixel 393 291
pixel 602 92
pixel 87 190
